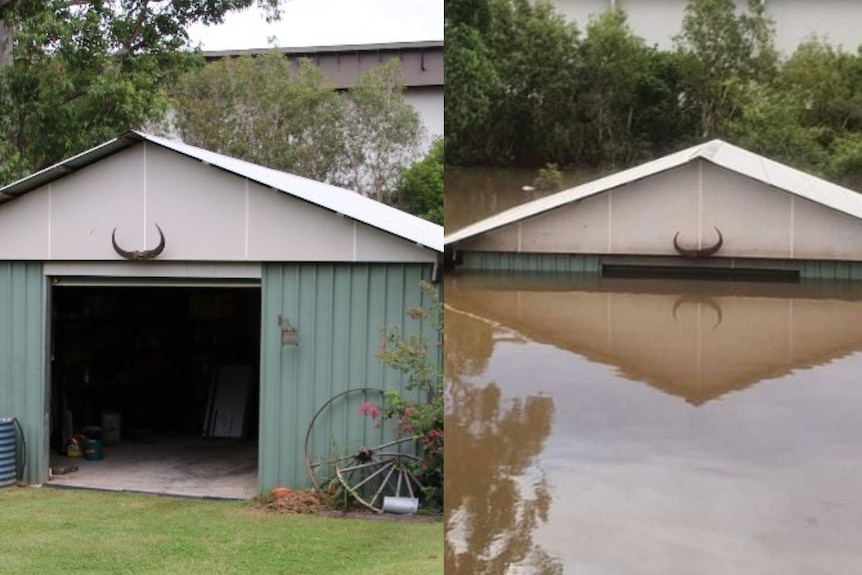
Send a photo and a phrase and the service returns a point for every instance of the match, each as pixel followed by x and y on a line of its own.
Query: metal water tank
pixel 8 462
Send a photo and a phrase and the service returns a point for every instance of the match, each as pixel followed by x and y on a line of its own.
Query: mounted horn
pixel 142 254
pixel 698 253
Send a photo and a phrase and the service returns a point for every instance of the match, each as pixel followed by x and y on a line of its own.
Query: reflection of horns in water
pixel 709 302
pixel 701 252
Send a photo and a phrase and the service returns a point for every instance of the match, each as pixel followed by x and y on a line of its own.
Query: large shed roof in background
pixel 421 62
pixel 717 152
pixel 345 202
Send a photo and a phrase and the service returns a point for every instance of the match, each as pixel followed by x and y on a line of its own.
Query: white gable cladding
pixel 641 217
pixel 206 213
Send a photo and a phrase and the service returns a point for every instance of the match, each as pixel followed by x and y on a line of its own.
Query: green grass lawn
pixel 65 531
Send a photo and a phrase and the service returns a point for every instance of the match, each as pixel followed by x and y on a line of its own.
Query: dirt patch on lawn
pixel 284 500
pixel 311 502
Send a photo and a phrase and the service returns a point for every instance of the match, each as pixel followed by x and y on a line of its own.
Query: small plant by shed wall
pixel 337 309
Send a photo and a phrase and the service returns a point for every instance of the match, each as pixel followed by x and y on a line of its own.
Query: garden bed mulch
pixel 284 500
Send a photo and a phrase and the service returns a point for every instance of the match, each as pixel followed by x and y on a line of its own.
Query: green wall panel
pixel 337 310
pixel 529 262
pixel 830 270
pixel 22 360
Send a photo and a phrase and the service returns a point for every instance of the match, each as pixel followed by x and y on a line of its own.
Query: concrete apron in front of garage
pixel 188 467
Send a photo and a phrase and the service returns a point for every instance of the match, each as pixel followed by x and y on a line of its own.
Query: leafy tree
pixel 725 52
pixel 420 189
pixel 524 88
pixel 73 74
pixel 826 83
pixel 660 121
pixel 768 124
pixel 289 121
pixel 92 29
pixel 613 64
pixel 845 161
pixel 382 132
pixel 473 87
pixel 537 59
pixel 260 110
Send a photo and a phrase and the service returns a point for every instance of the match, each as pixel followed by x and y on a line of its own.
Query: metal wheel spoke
pixel 396 454
pixel 373 475
pixel 393 442
pixel 362 465
pixel 368 474
pixel 409 489
pixel 382 485
pixel 331 461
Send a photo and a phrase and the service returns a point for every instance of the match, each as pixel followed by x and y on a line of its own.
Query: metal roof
pixel 338 200
pixel 718 152
pixel 421 62
pixel 335 48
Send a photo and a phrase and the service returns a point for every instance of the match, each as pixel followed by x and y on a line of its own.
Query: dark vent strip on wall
pixel 680 272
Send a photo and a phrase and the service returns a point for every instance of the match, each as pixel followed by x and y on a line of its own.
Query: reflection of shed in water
pixel 696 340
pixel 712 206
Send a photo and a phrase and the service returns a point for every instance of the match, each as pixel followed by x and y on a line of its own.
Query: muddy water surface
pixel 476 193
pixel 633 426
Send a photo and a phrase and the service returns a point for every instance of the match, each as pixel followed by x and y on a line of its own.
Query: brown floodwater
pixel 599 426
pixel 634 426
pixel 476 193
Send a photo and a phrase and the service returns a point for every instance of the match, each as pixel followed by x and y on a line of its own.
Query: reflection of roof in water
pixel 695 340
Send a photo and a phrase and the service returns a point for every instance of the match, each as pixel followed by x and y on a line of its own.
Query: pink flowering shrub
pixel 369 408
pixel 412 355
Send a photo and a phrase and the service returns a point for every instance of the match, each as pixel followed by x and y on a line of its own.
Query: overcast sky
pixel 328 22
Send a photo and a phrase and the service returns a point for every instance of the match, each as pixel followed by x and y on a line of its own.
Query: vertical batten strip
pixel 610 221
pixel 146 194
pixel 50 221
pixel 792 225
pixel 519 236
pixel 700 204
pixel 247 216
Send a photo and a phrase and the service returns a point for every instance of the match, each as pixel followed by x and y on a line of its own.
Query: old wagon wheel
pixel 369 473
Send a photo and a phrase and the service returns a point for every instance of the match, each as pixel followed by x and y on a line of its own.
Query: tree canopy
pixel 526 87
pixel 74 73
pixel 262 110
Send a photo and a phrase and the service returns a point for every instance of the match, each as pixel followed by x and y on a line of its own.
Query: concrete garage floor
pixel 186 466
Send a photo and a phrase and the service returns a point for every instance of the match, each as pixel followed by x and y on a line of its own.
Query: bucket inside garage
pixel 163 378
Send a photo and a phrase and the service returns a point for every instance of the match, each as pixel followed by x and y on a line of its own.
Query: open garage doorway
pixel 163 379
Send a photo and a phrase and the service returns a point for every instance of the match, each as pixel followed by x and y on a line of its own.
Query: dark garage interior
pixel 155 369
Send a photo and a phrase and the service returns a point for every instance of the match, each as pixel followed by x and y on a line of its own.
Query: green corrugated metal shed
pixel 22 359
pixel 349 267
pixel 343 306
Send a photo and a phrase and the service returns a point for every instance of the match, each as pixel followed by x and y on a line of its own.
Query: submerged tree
pixel 724 53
